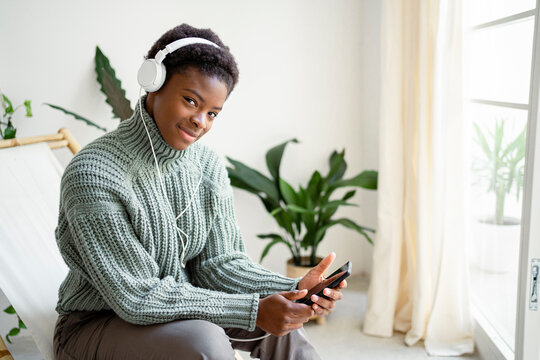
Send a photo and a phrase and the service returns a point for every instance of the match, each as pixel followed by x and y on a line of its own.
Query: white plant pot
pixel 495 248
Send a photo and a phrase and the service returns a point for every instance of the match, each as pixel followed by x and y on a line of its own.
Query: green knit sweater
pixel 116 233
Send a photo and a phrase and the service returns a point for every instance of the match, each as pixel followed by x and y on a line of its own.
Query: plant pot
pixel 496 247
pixel 295 271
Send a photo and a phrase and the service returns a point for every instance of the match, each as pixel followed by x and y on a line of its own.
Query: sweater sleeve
pixel 127 277
pixel 224 265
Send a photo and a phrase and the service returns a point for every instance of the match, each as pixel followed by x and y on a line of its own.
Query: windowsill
pixel 489 343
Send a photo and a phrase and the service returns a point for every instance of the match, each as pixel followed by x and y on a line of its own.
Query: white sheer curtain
pixel 419 282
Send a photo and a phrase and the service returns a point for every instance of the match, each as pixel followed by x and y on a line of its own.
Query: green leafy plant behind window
pixel 502 164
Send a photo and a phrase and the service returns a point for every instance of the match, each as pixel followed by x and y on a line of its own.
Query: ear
pixel 149 103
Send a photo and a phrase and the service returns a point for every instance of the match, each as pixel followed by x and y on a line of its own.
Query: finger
pixel 342 285
pixel 325 263
pixel 323 303
pixel 333 294
pixel 299 311
pixel 295 294
pixel 319 311
pixel 293 327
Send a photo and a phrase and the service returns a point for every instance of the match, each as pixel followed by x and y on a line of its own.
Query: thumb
pixel 295 294
pixel 325 263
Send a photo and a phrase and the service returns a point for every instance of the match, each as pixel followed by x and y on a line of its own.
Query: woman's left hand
pixel 322 306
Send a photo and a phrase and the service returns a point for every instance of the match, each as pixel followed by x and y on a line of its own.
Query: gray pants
pixel 103 335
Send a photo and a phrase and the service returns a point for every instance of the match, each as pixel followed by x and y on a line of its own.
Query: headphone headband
pixel 152 72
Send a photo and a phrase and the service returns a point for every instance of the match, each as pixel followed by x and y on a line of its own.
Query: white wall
pixel 308 69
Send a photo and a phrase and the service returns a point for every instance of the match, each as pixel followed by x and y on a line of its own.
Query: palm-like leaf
pixel 76 116
pixel 111 86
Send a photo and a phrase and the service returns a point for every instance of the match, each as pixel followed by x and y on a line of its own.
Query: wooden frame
pixel 55 141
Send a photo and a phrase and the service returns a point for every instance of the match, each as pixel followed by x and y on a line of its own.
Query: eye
pixel 190 100
pixel 212 114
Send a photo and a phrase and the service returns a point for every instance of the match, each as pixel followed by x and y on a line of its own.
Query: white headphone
pixel 152 73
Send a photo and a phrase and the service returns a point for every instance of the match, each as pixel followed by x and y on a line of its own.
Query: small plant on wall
pixel 20 324
pixel 7 129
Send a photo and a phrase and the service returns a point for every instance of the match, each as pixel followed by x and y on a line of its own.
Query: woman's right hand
pixel 278 314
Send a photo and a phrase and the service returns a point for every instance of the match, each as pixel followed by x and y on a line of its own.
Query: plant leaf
pixel 28 106
pixel 10 310
pixel 338 166
pixel 255 179
pixel 112 87
pixel 273 158
pixel 482 141
pixel 237 181
pixel 366 179
pixel 289 195
pixel 278 239
pixel 348 223
pixel 275 211
pixel 298 209
pixel 76 116
pixel 349 195
pixel 9 108
pixel 314 187
pixel 337 203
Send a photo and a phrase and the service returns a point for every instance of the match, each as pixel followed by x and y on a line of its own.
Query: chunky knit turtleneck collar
pixel 134 136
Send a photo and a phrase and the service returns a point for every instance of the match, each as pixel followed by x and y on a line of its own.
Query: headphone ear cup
pixel 151 75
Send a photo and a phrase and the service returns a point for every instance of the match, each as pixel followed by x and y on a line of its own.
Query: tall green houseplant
pixel 502 164
pixel 306 213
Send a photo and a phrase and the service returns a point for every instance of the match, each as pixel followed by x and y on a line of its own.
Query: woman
pixel 158 267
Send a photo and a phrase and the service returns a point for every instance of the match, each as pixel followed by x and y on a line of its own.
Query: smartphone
pixel 331 282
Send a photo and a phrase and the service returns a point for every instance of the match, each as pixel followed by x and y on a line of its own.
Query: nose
pixel 198 119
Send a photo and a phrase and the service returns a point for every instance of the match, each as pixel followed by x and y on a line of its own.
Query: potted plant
pixel 7 130
pixel 501 166
pixel 303 214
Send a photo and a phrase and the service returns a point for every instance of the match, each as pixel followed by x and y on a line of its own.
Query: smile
pixel 187 134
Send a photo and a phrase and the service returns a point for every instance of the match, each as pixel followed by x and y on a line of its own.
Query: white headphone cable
pixel 180 231
pixel 254 339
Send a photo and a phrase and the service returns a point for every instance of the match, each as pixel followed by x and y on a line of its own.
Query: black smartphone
pixel 331 282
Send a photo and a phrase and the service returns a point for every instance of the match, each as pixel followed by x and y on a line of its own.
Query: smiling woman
pixel 147 227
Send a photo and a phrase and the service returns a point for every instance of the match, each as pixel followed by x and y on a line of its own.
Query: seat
pixel 31 267
pixel 29 214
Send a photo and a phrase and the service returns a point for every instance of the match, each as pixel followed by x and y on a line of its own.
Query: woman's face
pixel 185 108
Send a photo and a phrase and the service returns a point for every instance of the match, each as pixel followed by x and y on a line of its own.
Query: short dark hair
pixel 208 59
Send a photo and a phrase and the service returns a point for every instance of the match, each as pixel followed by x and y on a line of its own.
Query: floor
pixel 339 339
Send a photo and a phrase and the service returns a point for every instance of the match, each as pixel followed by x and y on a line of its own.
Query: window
pixel 498 55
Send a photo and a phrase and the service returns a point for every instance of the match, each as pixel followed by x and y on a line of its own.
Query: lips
pixel 187 133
